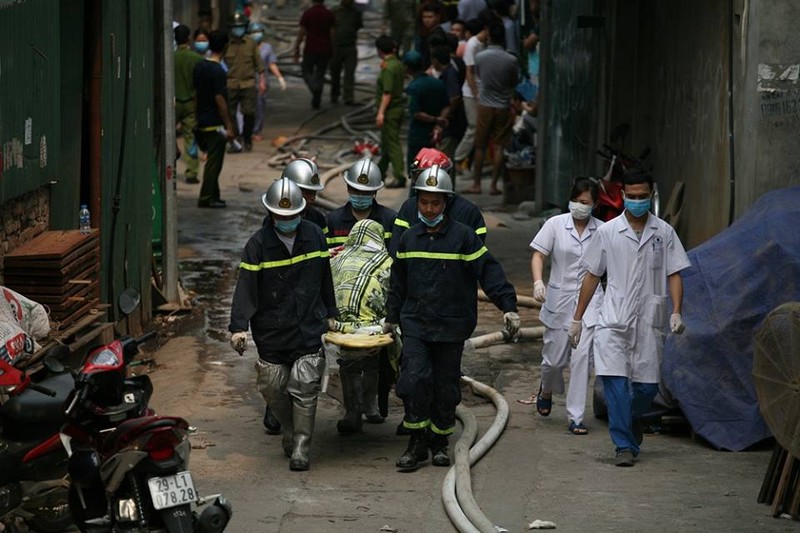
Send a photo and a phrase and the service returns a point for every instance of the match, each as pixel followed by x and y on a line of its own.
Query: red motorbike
pixel 611 201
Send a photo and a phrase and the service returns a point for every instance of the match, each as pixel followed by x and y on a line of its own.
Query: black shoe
pixel 214 204
pixel 299 465
pixel 271 424
pixel 193 180
pixel 374 419
pixel 402 430
pixel 417 452
pixel 248 146
pixel 315 101
pixel 348 427
pixel 439 450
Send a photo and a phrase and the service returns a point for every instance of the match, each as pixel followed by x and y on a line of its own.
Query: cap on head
pixel 364 175
pixel 413 59
pixel 304 173
pixel 284 197
pixel 434 179
pixel 426 158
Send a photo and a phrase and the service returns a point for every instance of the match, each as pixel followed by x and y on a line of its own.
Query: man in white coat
pixel 643 258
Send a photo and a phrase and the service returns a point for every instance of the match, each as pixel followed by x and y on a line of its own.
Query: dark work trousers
pixel 314 67
pixel 347 57
pixel 429 384
pixel 214 145
pixel 246 98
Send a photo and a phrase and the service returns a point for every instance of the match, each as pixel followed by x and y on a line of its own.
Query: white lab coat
pixel 559 239
pixel 633 321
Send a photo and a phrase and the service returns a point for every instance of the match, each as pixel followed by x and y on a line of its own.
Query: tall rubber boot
pixel 282 410
pixel 271 424
pixel 351 398
pixel 370 380
pixel 303 414
pixel 416 453
pixel 439 449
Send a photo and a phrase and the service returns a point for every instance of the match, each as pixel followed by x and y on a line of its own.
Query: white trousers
pixel 556 355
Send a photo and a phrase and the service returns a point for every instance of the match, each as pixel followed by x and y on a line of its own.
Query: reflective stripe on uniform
pixel 481 230
pixel 387 235
pixel 209 128
pixel 402 223
pixel 443 255
pixel 325 230
pixel 416 425
pixel 439 431
pixel 336 240
pixel 284 262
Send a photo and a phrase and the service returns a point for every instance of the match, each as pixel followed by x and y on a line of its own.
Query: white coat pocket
pixel 655 311
pixel 551 314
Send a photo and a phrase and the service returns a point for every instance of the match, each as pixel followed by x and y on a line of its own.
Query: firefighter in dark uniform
pixel 433 298
pixel 284 294
pixel 363 180
pixel 458 208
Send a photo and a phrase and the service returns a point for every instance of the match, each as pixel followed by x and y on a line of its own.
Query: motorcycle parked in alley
pixel 128 466
pixel 611 201
pixel 33 464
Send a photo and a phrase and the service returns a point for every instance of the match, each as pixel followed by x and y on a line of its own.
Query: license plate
pixel 171 491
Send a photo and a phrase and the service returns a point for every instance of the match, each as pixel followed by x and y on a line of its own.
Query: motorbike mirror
pixel 53 364
pixel 129 300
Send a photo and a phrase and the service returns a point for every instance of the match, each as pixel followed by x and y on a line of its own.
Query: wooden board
pixel 44 285
pixel 78 313
pixel 77 291
pixel 85 248
pixel 57 274
pixel 52 245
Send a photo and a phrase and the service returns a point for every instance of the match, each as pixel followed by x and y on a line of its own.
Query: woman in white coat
pixel 564 238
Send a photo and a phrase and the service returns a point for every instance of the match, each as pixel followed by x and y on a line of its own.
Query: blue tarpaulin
pixel 735 280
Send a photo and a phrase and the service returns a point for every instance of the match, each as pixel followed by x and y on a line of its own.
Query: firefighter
pixel 433 298
pixel 284 294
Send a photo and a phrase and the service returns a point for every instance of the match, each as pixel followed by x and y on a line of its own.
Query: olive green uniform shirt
pixel 185 61
pixel 243 62
pixel 390 80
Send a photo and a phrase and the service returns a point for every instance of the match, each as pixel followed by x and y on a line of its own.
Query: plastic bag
pixel 22 323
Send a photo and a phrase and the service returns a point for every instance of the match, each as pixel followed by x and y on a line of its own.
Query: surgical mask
pixel 287 226
pixel 428 222
pixel 201 46
pixel 238 32
pixel 257 36
pixel 580 211
pixel 637 208
pixel 360 203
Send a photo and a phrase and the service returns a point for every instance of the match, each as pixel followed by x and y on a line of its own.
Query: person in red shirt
pixel 316 29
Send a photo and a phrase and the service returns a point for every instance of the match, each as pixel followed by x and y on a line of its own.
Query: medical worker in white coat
pixel 564 238
pixel 643 257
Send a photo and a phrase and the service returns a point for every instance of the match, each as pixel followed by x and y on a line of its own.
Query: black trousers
pixel 314 67
pixel 429 384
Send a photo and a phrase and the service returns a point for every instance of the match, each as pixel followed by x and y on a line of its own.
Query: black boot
pixel 416 452
pixel 271 424
pixel 439 450
pixel 351 398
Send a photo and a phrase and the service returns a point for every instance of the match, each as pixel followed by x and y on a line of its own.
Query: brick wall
pixel 23 218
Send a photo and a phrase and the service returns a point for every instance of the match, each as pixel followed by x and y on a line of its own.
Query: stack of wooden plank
pixel 60 270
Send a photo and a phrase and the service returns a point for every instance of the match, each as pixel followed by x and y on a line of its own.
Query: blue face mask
pixel 201 47
pixel 637 208
pixel 238 32
pixel 287 226
pixel 257 36
pixel 430 223
pixel 360 203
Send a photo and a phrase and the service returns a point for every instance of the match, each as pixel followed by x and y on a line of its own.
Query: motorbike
pixel 128 466
pixel 33 464
pixel 611 201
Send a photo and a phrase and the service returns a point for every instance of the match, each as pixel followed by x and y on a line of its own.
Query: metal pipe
pixel 169 229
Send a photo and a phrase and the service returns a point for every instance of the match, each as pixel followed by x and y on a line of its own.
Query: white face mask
pixel 580 211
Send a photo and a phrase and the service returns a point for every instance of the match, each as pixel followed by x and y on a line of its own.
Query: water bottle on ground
pixel 85 220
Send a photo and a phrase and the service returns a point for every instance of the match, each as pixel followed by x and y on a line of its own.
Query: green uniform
pixel 185 61
pixel 244 62
pixel 390 81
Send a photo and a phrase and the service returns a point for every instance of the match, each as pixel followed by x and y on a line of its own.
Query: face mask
pixel 287 226
pixel 580 211
pixel 360 203
pixel 238 32
pixel 637 208
pixel 257 36
pixel 430 223
pixel 201 46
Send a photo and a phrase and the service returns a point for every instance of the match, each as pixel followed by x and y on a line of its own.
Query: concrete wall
pixel 23 218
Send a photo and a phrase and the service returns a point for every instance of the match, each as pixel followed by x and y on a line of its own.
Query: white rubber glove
pixel 388 327
pixel 539 291
pixel 676 324
pixel 332 325
pixel 574 334
pixel 239 341
pixel 512 322
pixel 282 83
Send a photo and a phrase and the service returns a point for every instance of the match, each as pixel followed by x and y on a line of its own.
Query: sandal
pixel 543 405
pixel 577 429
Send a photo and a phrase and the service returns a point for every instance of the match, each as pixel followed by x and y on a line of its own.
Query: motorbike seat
pixel 136 426
pixel 32 407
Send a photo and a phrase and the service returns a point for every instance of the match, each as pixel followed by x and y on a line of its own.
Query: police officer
pixel 433 297
pixel 363 180
pixel 284 294
pixel 458 208
pixel 244 63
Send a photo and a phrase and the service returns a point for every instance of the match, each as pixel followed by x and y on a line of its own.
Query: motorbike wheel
pixel 59 520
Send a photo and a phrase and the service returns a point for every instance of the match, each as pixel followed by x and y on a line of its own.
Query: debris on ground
pixel 542 524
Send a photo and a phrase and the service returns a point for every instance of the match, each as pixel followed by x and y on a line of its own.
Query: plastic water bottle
pixel 85 220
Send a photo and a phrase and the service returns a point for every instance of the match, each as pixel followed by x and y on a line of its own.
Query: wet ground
pixel 537 470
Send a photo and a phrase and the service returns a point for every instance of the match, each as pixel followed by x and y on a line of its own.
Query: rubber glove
pixel 676 324
pixel 511 321
pixel 332 325
pixel 574 334
pixel 282 83
pixel 539 291
pixel 239 341
pixel 388 327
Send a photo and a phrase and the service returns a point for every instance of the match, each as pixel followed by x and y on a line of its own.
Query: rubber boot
pixel 439 449
pixel 370 380
pixel 351 398
pixel 282 411
pixel 416 453
pixel 303 419
pixel 271 424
